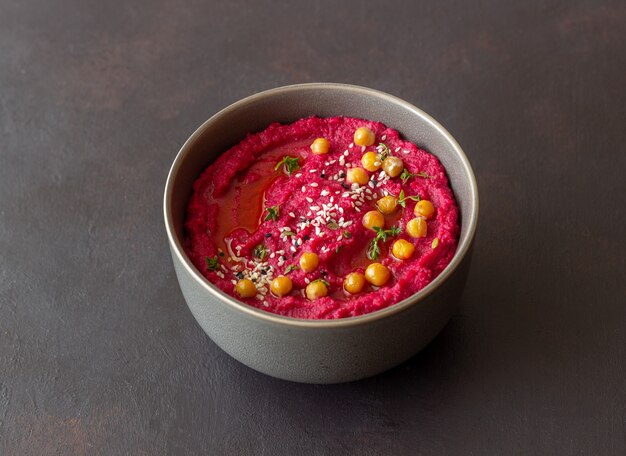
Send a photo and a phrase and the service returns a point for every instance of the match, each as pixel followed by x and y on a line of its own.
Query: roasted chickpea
pixel 316 289
pixel 364 137
pixel 372 219
pixel 377 274
pixel 281 286
pixel 424 208
pixel 387 204
pixel 354 282
pixel 357 176
pixel 393 166
pixel 320 146
pixel 309 261
pixel 245 288
pixel 402 250
pixel 371 161
pixel 416 227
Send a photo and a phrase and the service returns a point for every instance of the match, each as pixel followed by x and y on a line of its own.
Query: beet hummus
pixel 323 218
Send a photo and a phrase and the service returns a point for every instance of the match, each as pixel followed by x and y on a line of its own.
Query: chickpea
pixel 281 286
pixel 424 208
pixel 364 137
pixel 393 166
pixel 371 161
pixel 402 250
pixel 377 274
pixel 320 146
pixel 316 289
pixel 357 176
pixel 372 219
pixel 387 204
pixel 354 282
pixel 245 288
pixel 309 261
pixel 417 227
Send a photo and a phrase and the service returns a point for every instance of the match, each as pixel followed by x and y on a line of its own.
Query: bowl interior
pixel 288 104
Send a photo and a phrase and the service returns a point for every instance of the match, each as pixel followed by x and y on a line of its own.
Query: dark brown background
pixel 98 352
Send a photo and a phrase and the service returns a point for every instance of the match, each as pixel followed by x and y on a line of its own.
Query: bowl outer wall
pixel 305 350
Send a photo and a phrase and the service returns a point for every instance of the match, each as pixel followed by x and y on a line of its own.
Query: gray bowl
pixel 319 351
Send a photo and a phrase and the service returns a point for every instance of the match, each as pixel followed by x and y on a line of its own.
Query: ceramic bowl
pixel 319 351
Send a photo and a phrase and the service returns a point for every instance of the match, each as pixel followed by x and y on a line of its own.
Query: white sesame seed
pixel 397 149
pixel 313 184
pixel 272 255
pixel 303 189
pixel 348 223
pixel 348 165
pixel 362 148
pixel 299 175
pixel 357 209
pixel 339 238
pixel 342 161
pixel 383 137
pixel 332 198
pixel 315 208
pixel 375 195
pixel 406 151
pixel 345 194
pixel 292 248
pixel 307 281
pixel 345 154
pixel 299 241
pixel 332 162
pixel 234 282
pixel 312 170
pixel 324 193
pixel 341 210
pixel 291 214
pixel 310 200
pixel 351 145
pixel 371 184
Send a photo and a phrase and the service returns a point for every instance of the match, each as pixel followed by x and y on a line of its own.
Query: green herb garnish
pixel 332 225
pixel 272 213
pixel 290 164
pixel 291 268
pixel 260 252
pixel 323 281
pixel 403 199
pixel 435 243
pixel 346 234
pixel 212 264
pixel 383 150
pixel 373 251
pixel 287 233
pixel 406 175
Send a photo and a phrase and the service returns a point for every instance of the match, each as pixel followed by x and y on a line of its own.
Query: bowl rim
pixel 462 249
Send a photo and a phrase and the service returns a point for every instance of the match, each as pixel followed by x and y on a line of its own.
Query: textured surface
pixel 100 355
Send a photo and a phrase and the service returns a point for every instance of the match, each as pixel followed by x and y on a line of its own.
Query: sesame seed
pixel 348 165
pixel 354 196
pixel 371 184
pixel 292 248
pixel 307 281
pixel 313 184
pixel 324 193
pixel 362 148
pixel 291 214
pixel 315 208
pixel 345 194
pixel 303 189
pixel 310 200
pixel 383 137
pixel 332 162
pixel 406 151
pixel 272 255
pixel 339 238
pixel 342 161
pixel 345 154
pixel 357 209
pixel 299 175
pixel 312 170
pixel 332 198
pixel 351 145
pixel 397 149
pixel 299 241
